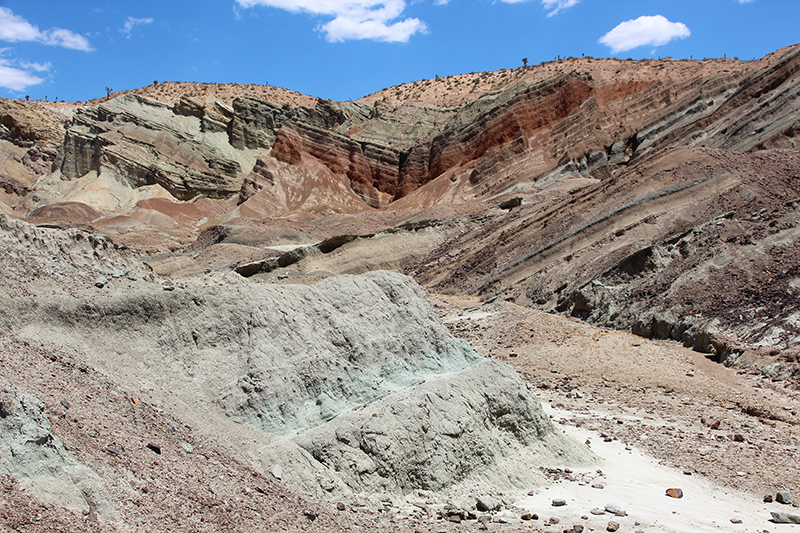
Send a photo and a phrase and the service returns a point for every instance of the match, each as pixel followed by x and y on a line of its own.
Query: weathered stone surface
pixel 371 169
pixel 785 518
pixel 146 143
pixel 214 116
pixel 255 123
pixel 29 123
pixel 31 453
pixel 356 373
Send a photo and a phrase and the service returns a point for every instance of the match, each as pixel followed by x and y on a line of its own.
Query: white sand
pixel 637 484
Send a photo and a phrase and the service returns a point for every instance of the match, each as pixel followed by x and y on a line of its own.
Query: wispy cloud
pixel 15 78
pixel 132 23
pixel 554 6
pixel 378 20
pixel 645 30
pixel 38 67
pixel 14 28
pixel 745 1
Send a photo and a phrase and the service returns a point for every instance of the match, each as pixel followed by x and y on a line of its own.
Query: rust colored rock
pixel 373 170
pixel 675 493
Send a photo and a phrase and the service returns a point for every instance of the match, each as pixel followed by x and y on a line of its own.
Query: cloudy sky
pixel 344 49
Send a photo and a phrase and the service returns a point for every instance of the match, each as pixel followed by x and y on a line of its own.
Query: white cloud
pixel 132 22
pixel 17 79
pixel 38 67
pixel 557 5
pixel 354 19
pixel 645 30
pixel 745 1
pixel 14 28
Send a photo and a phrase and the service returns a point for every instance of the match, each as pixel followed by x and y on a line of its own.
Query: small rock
pixel 613 509
pixel 6 405
pixel 133 275
pixel 612 526
pixel 690 373
pixel 715 425
pixel 485 503
pixel 785 518
pixel 554 520
pixel 578 528
pixel 687 472
pixel 768 498
pixel 597 511
pixel 65 403
pixel 558 502
pixel 738 437
pixel 101 282
pixel 736 520
pixel 456 519
pixel 598 485
pixel 675 493
pixel 277 472
pixel 526 516
pixel 155 447
pixel 188 448
pixel 168 287
pixel 113 451
pixel 784 496
pixel 340 506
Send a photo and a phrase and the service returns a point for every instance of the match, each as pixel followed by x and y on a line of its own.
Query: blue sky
pixel 346 49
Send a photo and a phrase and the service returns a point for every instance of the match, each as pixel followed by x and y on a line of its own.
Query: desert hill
pixel 211 260
pixel 615 164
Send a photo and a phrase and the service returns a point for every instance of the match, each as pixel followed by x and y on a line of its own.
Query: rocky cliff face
pixel 606 158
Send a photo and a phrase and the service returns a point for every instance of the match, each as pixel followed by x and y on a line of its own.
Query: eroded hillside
pixel 655 196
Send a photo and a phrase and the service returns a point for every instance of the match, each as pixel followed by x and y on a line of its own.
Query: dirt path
pixel 735 428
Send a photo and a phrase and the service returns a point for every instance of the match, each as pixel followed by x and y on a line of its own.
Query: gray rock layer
pixel 37 459
pixel 364 386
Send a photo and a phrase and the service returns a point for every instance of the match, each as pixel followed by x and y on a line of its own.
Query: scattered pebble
pixel 675 493
pixel 612 526
pixel 340 506
pixel 154 447
pixel 558 502
pixel 768 498
pixel 65 403
pixel 736 520
pixel 784 497
pixel 113 451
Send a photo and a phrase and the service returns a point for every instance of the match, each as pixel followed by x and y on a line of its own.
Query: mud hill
pixel 178 251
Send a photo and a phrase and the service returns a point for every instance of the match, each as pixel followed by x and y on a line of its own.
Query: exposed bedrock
pixel 30 452
pixel 365 387
pixel 149 144
pixel 371 169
